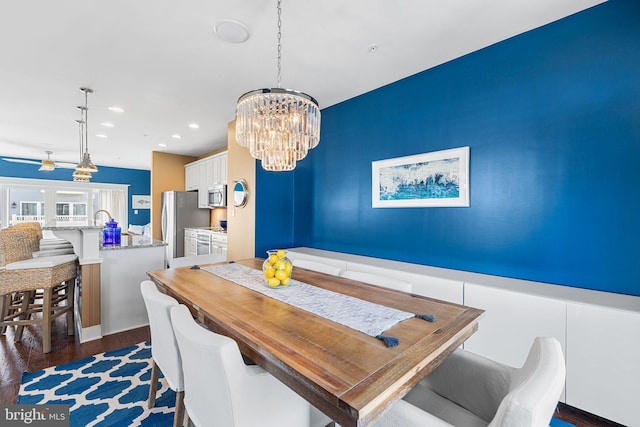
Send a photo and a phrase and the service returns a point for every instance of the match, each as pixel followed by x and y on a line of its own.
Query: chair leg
pixel 178 418
pixel 153 386
pixel 26 301
pixel 71 327
pixel 185 419
pixel 5 301
pixel 46 321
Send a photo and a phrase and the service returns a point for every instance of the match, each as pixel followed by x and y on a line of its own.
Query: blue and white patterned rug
pixel 109 389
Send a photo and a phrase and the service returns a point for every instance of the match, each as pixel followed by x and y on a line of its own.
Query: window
pixel 62 208
pixel 76 209
pixel 80 209
pixel 58 203
pixel 28 208
pixel 26 203
pixel 71 207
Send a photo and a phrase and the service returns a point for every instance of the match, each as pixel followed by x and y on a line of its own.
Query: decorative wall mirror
pixel 240 193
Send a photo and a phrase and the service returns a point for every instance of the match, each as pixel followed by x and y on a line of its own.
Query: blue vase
pixel 111 235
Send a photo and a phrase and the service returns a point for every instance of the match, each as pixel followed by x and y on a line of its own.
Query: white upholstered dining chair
pixel 317 266
pixel 164 349
pixel 376 279
pixel 470 390
pixel 220 387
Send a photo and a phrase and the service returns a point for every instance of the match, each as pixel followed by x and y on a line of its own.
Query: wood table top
pixel 348 375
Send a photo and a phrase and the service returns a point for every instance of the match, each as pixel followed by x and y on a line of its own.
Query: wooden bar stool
pixel 42 246
pixel 21 276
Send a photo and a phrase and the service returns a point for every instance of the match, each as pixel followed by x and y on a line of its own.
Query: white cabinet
pixel 220 167
pixel 192 176
pixel 219 243
pixel 433 287
pixel 190 242
pixel 511 322
pixel 603 361
pixel 204 173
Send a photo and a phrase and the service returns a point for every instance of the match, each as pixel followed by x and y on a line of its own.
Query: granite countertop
pixel 133 241
pixel 217 230
pixel 74 227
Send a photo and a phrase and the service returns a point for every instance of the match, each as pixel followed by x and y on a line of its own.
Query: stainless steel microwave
pixel 217 196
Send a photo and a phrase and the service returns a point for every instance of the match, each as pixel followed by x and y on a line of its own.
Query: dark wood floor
pixel 16 358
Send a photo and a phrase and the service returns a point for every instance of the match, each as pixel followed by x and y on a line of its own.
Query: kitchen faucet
pixel 95 216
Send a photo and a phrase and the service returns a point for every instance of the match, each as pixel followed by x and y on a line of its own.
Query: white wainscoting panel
pixel 511 322
pixel 603 362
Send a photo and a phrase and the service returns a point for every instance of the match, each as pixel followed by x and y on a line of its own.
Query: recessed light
pixel 231 31
pixel 116 109
pixel 176 136
pixel 194 126
pixel 107 124
pixel 162 145
pixel 101 135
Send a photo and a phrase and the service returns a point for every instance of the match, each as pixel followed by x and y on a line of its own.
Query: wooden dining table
pixel 350 376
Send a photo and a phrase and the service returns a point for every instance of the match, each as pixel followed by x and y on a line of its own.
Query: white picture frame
pixel 435 179
pixel 140 202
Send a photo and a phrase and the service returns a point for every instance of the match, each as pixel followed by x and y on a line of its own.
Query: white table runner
pixel 364 316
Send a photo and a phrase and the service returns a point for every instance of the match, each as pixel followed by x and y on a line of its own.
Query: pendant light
pixel 79 175
pixel 278 126
pixel 86 165
pixel 47 164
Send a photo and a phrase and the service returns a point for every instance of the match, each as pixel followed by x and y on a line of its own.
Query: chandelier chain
pixel 81 131
pixel 85 167
pixel 86 121
pixel 279 43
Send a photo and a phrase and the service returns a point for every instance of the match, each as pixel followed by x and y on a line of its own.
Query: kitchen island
pixel 124 266
pixel 108 298
pixel 86 244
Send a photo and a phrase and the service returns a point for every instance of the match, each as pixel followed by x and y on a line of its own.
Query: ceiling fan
pixel 46 165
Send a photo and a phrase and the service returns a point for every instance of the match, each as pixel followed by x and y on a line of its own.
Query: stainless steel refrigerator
pixel 180 210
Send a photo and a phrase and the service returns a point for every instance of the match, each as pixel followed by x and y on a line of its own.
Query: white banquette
pixel 599 331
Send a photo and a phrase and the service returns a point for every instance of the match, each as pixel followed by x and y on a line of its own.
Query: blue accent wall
pixel 275 207
pixel 552 119
pixel 139 182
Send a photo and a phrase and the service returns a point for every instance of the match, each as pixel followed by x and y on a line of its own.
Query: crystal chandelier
pixel 85 165
pixel 279 126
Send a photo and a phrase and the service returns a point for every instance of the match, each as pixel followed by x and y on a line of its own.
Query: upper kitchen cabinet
pixel 192 172
pixel 204 173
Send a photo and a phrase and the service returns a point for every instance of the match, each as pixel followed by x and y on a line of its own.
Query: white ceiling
pixel 161 61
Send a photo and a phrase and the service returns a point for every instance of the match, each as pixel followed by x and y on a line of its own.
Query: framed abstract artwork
pixel 140 202
pixel 436 179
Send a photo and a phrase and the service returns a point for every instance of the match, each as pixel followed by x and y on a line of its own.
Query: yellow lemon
pixel 279 265
pixel 269 272
pixel 281 253
pixel 288 267
pixel 285 281
pixel 273 259
pixel 281 275
pixel 273 282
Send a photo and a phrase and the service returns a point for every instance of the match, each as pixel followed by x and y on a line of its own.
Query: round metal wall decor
pixel 240 193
